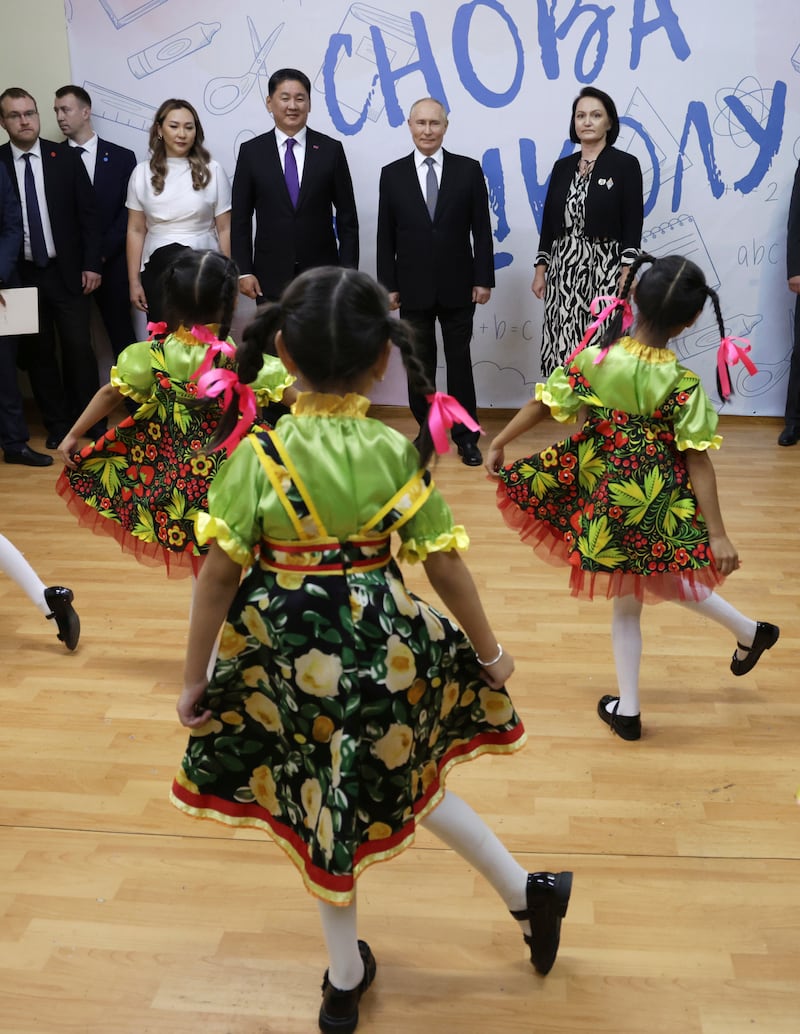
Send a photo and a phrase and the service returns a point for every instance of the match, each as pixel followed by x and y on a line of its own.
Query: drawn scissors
pixel 224 93
pixel 263 78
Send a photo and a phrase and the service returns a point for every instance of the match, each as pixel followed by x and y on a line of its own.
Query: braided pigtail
pixel 258 338
pixel 229 295
pixel 401 334
pixel 731 350
pixel 615 328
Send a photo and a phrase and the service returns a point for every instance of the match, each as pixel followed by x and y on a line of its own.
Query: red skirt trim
pixel 548 543
pixel 338 889
pixel 178 564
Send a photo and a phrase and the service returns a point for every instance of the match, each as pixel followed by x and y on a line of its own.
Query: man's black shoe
pixel 28 456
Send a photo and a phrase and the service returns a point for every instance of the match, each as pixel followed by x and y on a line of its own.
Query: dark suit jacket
pixel 434 261
pixel 112 171
pixel 290 240
pixel 793 231
pixel 616 211
pixel 10 229
pixel 72 209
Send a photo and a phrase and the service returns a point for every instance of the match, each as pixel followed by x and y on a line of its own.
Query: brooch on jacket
pixel 608 184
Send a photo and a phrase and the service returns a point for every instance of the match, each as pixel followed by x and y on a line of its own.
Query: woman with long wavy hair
pixel 179 198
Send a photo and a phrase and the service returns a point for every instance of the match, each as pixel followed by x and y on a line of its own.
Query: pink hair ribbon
pixel 226 382
pixel 612 303
pixel 444 412
pixel 156 329
pixel 730 351
pixel 216 347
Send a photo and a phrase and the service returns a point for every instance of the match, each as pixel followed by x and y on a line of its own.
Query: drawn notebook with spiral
pixel 681 235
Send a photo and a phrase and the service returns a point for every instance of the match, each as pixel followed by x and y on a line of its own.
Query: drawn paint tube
pixel 173 48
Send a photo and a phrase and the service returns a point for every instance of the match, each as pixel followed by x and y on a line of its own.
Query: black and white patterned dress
pixel 579 269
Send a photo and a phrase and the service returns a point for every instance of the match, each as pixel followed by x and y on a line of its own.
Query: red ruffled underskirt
pixel 548 544
pixel 178 564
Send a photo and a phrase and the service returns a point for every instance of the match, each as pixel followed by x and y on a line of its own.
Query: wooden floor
pixel 120 914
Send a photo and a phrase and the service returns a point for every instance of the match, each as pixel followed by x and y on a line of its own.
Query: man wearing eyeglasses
pixel 61 257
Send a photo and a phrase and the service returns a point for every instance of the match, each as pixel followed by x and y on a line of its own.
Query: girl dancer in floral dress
pixel 340 701
pixel 629 502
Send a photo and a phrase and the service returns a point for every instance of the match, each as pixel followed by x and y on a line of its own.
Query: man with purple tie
pixel 295 181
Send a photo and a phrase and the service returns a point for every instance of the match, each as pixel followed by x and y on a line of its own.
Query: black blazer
pixel 72 209
pixel 614 199
pixel 288 240
pixel 112 171
pixel 434 261
pixel 10 229
pixel 793 230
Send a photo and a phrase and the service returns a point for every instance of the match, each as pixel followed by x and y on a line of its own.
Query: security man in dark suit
pixel 13 429
pixel 294 180
pixel 61 257
pixel 109 167
pixel 435 256
pixel 791 429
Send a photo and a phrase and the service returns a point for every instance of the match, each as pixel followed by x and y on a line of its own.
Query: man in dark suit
pixel 60 257
pixel 435 256
pixel 293 179
pixel 791 431
pixel 109 168
pixel 13 429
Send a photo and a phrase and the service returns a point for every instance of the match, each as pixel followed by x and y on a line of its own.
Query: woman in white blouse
pixel 179 198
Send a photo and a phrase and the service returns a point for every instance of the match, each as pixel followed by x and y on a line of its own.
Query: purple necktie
pixel 290 172
pixel 35 228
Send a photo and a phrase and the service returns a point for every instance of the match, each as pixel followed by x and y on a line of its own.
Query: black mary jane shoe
pixel 766 637
pixel 627 727
pixel 547 896
pixel 338 1013
pixel 59 599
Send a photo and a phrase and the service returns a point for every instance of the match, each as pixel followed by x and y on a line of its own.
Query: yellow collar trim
pixel 313 403
pixel 650 355
pixel 186 337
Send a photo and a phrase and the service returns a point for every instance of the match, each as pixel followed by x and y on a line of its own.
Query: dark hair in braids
pixel 668 294
pixel 335 323
pixel 200 287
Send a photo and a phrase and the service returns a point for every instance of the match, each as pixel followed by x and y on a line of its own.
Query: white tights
pixel 626 637
pixel 19 570
pixel 458 826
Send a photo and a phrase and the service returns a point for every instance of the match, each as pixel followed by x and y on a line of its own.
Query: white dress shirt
pixel 299 150
pixel 420 160
pixel 89 156
pixel 38 179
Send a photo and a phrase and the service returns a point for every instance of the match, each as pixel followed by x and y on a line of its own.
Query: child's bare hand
pixel 189 707
pixel 495 459
pixel 67 449
pixel 724 552
pixel 500 672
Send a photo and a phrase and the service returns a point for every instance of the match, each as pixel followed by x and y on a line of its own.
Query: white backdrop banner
pixel 707 93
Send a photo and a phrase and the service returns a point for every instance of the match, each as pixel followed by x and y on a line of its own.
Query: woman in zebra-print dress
pixel 591 226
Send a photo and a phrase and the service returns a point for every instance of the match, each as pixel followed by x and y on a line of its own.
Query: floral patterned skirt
pixel 144 482
pixel 614 502
pixel 339 702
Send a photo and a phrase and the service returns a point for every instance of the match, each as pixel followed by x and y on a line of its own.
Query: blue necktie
pixel 35 228
pixel 431 187
pixel 290 172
